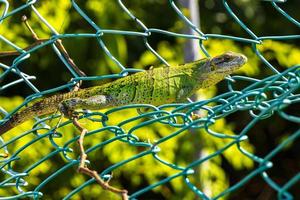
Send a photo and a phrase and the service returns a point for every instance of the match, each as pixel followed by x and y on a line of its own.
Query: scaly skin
pixel 155 86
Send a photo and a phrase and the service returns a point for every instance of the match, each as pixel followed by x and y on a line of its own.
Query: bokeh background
pixel 212 177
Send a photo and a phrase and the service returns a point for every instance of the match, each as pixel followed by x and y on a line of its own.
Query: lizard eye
pixel 227 58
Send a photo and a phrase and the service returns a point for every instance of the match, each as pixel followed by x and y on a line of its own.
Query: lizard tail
pixel 15 120
pixel 5 127
pixel 42 107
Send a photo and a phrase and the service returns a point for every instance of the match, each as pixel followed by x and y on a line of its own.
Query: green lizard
pixel 155 86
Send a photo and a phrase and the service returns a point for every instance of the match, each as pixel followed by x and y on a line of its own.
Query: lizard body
pixel 155 86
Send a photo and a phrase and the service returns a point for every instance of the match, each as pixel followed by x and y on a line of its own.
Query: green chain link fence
pixel 262 98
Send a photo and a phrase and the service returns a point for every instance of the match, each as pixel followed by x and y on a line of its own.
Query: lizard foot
pixel 68 106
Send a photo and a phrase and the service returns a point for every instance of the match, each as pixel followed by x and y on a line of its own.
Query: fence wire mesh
pixel 261 98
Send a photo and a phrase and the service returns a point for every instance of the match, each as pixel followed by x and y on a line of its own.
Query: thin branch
pixel 58 43
pixel 17 53
pixel 34 35
pixel 82 168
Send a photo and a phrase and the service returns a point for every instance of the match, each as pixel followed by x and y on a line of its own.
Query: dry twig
pixel 82 168
pixel 58 43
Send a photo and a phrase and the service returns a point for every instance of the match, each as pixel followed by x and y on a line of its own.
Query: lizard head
pixel 227 63
pixel 217 68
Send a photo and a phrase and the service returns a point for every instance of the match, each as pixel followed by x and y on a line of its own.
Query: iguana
pixel 156 86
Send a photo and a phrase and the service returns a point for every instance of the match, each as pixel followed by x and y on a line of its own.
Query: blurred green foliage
pixel 131 52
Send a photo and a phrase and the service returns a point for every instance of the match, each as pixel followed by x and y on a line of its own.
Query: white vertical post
pixel 191 53
pixel 191 47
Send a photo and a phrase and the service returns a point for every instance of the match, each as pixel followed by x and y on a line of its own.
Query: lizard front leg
pixel 68 107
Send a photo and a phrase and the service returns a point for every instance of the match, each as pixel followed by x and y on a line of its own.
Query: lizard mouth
pixel 228 62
